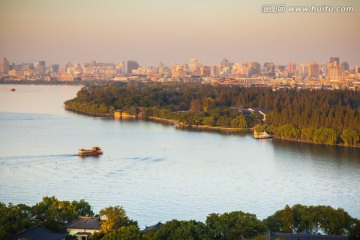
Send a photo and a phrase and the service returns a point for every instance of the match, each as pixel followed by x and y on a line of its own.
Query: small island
pixel 321 116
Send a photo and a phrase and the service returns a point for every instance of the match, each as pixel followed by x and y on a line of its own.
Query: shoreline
pixel 180 125
pixel 307 142
pixel 107 115
pixel 200 127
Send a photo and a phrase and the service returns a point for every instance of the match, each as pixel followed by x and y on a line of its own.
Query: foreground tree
pixel 311 218
pixel 234 225
pixel 113 218
pixel 115 225
pixel 54 214
pixel 14 219
pixel 180 230
pixel 123 233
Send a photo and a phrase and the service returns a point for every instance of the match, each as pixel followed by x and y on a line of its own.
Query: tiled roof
pixel 304 236
pixel 39 233
pixel 157 226
pixel 309 236
pixel 86 223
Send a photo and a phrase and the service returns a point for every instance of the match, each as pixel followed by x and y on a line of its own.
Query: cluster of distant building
pixel 332 75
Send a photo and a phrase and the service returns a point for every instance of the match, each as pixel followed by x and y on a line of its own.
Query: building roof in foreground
pixel 157 226
pixel 39 233
pixel 305 235
pixel 85 223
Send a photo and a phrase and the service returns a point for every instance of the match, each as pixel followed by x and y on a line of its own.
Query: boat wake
pixel 35 159
pixel 147 159
pixel 38 156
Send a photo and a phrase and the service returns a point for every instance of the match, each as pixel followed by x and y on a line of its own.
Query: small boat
pixel 261 135
pixel 95 151
pixel 12 89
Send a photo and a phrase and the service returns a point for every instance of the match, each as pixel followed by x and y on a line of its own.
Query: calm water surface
pixel 157 172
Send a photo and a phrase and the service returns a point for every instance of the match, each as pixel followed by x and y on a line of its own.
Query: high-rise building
pixel 4 66
pixel 291 68
pixel 268 69
pixel 42 67
pixel 335 59
pixel 121 67
pixel 356 70
pixel 193 65
pixel 254 68
pixel 225 63
pixel 28 66
pixel 313 69
pixel 345 66
pixel 177 71
pixel 333 71
pixel 131 65
pixel 164 71
pixel 237 69
pixel 303 70
pixel 215 70
pixel 55 68
pixel 205 71
pixel 42 64
pixel 186 68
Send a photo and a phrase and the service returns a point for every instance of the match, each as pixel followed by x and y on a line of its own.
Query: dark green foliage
pixel 181 230
pixel 355 231
pixel 14 219
pixel 313 219
pixel 123 233
pixel 233 225
pixel 190 104
pixel 325 117
pixel 50 212
pixel 54 214
pixel 112 218
pixel 115 225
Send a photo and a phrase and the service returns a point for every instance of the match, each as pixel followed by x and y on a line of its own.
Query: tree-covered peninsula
pixel 56 215
pixel 322 116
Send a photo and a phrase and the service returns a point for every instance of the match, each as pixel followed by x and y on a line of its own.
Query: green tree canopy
pixel 311 218
pixel 324 117
pixel 234 224
pixel 113 218
pixel 182 230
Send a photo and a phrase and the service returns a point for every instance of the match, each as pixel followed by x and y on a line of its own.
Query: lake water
pixel 155 171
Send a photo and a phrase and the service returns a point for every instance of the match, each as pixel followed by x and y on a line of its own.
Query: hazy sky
pixel 173 31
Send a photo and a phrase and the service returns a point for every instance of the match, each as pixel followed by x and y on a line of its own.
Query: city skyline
pixel 175 31
pixel 333 71
pixel 188 62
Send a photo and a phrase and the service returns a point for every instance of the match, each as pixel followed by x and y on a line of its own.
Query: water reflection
pixel 158 172
pixel 335 154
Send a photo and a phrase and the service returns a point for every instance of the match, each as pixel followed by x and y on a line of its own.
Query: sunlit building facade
pixel 4 66
pixel 193 65
pixel 334 71
pixel 313 70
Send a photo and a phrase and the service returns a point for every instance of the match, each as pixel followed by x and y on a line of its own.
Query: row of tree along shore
pixel 322 116
pixel 55 214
